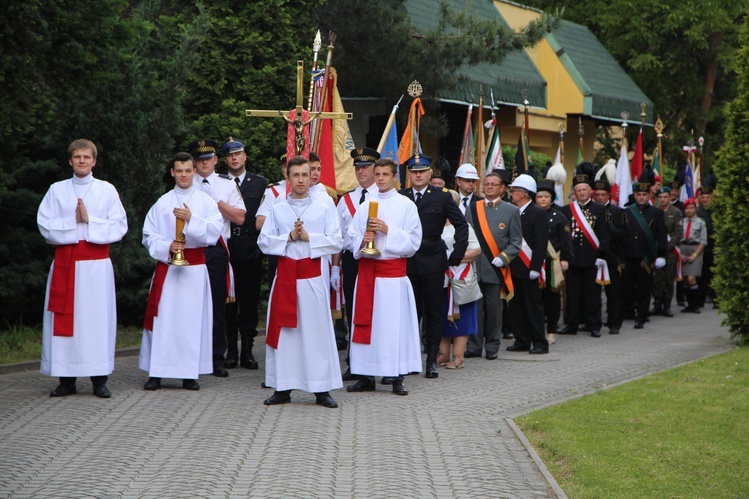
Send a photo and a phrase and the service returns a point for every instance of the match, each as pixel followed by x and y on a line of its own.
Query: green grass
pixel 19 343
pixel 681 433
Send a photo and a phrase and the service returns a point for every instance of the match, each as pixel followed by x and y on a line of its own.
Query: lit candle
pixel 373 209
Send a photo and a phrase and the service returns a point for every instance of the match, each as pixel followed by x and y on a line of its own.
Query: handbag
pixel 465 287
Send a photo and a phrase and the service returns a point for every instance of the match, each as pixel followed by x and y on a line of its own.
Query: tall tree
pixel 730 203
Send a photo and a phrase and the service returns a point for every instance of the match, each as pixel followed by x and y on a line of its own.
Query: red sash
pixel 369 270
pixel 231 297
pixel 195 256
pixel 349 204
pixel 585 227
pixel 526 255
pixel 62 285
pixel 274 191
pixel 282 309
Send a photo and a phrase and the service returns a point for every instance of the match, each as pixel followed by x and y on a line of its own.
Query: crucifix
pixel 297 121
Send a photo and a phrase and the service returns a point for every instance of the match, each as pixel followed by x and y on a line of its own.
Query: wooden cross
pixel 297 122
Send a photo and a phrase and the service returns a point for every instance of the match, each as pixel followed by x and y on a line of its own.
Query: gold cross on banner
pixel 297 121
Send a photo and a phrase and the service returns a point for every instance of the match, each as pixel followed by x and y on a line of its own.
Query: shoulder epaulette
pixel 225 175
pixel 445 189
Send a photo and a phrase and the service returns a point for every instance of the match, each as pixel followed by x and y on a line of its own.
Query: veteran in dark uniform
pixel 617 222
pixel 246 259
pixel 644 250
pixel 591 237
pixel 663 279
pixel 503 224
pixel 426 269
pixel 558 257
pixel 526 308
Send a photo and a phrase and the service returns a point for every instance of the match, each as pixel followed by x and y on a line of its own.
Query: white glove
pixel 600 262
pixel 498 262
pixel 208 189
pixel 335 278
pixel 533 274
pixel 660 263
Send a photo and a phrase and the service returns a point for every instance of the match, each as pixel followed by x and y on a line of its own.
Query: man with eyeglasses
pixel 497 227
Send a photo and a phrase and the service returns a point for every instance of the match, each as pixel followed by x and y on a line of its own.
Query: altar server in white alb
pixel 385 336
pixel 177 331
pixel 300 351
pixel 81 216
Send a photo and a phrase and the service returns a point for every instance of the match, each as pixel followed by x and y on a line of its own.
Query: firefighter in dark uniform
pixel 426 269
pixel 246 260
pixel 617 222
pixel 644 250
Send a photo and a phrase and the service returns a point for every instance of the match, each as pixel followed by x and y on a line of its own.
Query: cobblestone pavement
pixel 448 438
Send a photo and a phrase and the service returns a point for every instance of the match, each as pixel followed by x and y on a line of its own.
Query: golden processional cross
pixel 297 122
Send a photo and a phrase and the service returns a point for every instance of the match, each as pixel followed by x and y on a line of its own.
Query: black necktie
pixel 465 203
pixel 236 179
pixel 418 197
pixel 490 204
pixel 205 180
pixel 363 193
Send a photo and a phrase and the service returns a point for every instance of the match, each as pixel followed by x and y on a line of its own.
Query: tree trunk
pixel 710 75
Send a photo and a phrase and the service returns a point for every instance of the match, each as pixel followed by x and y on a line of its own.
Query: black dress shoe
pixel 568 330
pixel 398 388
pixel 388 380
pixel 324 399
pixel 220 372
pixel 596 333
pixel 667 312
pixel 282 397
pixel 263 385
pixel 639 324
pixel 491 356
pixel 248 361
pixel 518 348
pixel 190 384
pixel 614 330
pixel 152 384
pixel 341 345
pixel 365 384
pixel 471 355
pixel 102 392
pixel 538 350
pixel 231 362
pixel 63 390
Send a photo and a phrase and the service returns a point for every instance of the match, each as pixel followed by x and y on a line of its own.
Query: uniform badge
pixel 502 225
pixel 567 228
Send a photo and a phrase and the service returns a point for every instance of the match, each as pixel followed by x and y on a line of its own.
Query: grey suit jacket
pixel 504 222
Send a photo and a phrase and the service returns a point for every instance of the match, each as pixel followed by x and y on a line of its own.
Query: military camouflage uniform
pixel 663 279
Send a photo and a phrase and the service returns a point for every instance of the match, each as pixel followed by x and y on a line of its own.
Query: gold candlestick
pixel 179 237
pixel 369 249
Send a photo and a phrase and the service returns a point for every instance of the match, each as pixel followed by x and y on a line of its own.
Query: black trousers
pixel 552 302
pixel 614 314
pixel 583 297
pixel 527 314
pixel 242 315
pixel 706 279
pixel 637 283
pixel 349 270
pixel 95 380
pixel 216 260
pixel 428 292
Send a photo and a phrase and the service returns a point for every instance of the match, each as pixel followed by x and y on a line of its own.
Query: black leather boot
pixel 246 359
pixel 431 368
